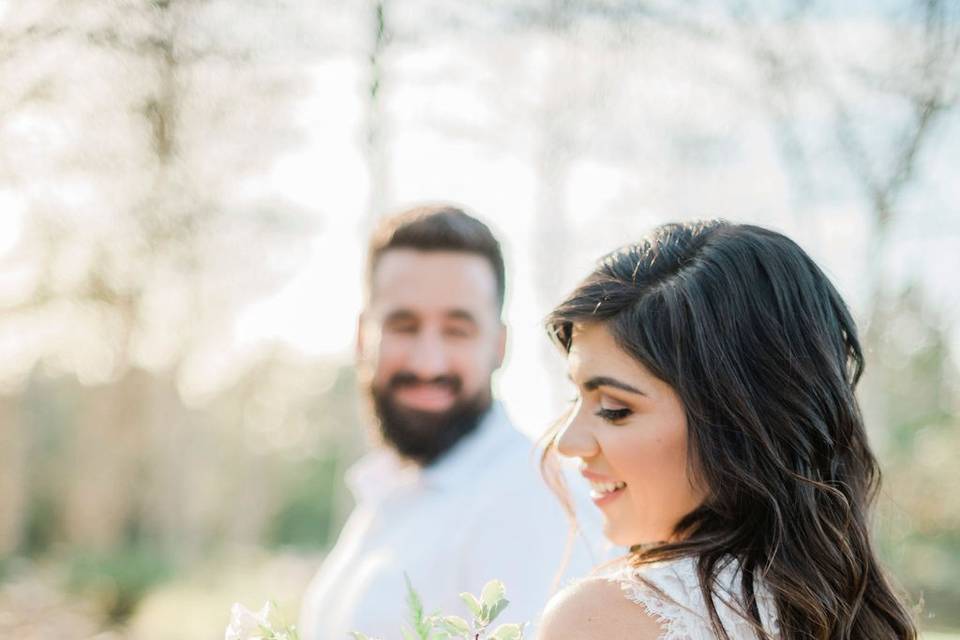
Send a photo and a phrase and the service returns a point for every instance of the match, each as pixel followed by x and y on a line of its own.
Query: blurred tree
pixel 144 233
pixel 13 503
pixel 916 389
pixel 376 126
pixel 808 77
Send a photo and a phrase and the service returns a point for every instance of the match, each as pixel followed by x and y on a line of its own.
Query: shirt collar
pixel 470 455
pixel 378 474
pixel 382 472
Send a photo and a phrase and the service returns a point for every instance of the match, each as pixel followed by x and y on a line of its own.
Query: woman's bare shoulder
pixel 596 608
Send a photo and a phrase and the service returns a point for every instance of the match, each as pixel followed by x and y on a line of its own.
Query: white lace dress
pixel 670 592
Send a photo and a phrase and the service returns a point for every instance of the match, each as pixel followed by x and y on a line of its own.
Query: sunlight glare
pixel 12 208
pixel 316 312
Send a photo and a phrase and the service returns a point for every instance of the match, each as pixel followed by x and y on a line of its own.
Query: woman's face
pixel 629 430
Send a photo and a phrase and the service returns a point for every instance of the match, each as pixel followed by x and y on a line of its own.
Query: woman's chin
pixel 623 536
pixel 618 535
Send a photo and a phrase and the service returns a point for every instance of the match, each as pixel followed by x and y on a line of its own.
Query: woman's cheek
pixel 631 454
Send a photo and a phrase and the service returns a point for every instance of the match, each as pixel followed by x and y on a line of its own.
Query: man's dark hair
pixel 436 228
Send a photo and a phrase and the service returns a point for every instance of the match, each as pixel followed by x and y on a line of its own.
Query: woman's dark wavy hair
pixel 764 355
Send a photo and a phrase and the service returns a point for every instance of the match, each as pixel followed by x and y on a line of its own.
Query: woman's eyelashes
pixel 608 414
pixel 613 415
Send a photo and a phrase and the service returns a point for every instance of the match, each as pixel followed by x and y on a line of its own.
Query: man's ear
pixel 358 347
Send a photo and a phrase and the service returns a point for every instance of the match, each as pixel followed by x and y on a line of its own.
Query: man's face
pixel 428 344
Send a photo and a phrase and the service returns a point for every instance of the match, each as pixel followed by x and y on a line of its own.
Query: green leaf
pixel 356 635
pixel 497 609
pixel 408 635
pixel 420 625
pixel 493 592
pixel 472 603
pixel 508 632
pixel 414 605
pixel 456 625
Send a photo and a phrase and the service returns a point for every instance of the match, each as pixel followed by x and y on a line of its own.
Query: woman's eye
pixel 613 415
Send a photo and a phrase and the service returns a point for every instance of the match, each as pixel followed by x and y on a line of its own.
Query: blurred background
pixel 185 191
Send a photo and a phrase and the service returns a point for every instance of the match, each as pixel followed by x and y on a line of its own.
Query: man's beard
pixel 424 436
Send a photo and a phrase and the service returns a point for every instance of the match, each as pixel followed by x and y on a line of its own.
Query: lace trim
pixel 670 593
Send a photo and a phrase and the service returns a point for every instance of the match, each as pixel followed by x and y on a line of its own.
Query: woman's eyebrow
pixel 606 381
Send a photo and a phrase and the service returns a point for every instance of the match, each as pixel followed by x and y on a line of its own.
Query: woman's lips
pixel 603 488
pixel 602 494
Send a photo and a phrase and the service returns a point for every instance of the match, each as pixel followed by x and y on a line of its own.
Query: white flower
pixel 247 625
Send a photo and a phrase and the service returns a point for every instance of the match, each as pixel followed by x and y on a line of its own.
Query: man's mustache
pixel 407 379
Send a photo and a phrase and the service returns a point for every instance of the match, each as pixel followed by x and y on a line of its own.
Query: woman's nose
pixel 576 439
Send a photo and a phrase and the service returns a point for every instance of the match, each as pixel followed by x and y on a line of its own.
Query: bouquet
pixel 267 624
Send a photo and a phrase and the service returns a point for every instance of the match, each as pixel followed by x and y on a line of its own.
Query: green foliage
pixel 912 386
pixel 421 626
pixel 305 518
pixel 118 579
pixel 484 611
pixel 41 526
pixel 49 406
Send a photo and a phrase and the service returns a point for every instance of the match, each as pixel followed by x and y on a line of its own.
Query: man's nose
pixel 429 357
pixel 576 439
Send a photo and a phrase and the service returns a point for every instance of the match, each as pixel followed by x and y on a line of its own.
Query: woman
pixel 717 424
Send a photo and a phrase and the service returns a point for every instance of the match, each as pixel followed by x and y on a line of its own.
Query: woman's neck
pixel 646 546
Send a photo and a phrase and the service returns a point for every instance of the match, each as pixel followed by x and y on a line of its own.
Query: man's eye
pixel 402 328
pixel 613 415
pixel 457 332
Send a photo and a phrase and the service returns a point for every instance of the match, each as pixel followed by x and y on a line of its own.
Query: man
pixel 452 496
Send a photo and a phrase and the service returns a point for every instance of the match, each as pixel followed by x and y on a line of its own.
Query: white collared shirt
pixel 481 512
